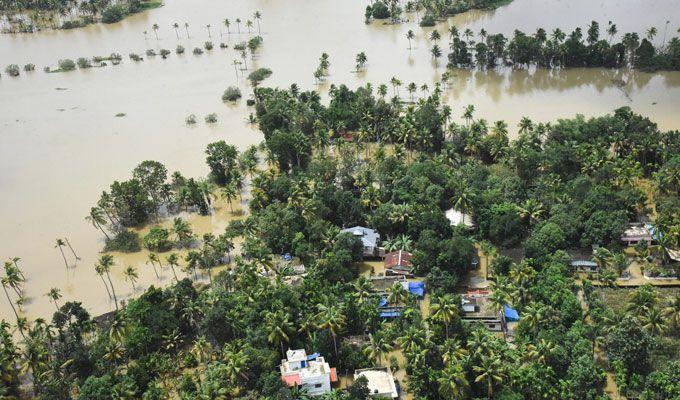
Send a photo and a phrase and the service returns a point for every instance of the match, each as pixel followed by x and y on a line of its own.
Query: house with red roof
pixel 399 263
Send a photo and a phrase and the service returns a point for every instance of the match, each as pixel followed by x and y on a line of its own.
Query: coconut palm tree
pixel 672 311
pixel 176 26
pixel 654 321
pixel 361 60
pixel 620 262
pixel 207 26
pixel 468 113
pixel 411 88
pixel 96 218
pixel 258 16
pixel 410 36
pixel 229 194
pixel 463 200
pixel 71 248
pixel 525 125
pixel 651 33
pixel 173 261
pixel 395 85
pixel 611 31
pixel 60 244
pixel 453 383
pixel 444 309
pixel 155 28
pixel 333 319
pixel 531 211
pixel 452 352
pixel 489 371
pixel 5 283
pixel 397 294
pixel 186 28
pixel 238 25
pixel 54 294
pixel 227 23
pixel 153 259
pixel 602 257
pixel 100 271
pixel 436 53
pixel 412 339
pixel 106 262
pixel 131 276
pixel 279 328
pixel 378 346
pixel 249 25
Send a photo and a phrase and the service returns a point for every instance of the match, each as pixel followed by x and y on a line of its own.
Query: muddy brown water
pixel 62 144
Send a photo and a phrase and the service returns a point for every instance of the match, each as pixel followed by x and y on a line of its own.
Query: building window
pixel 318 385
pixel 492 326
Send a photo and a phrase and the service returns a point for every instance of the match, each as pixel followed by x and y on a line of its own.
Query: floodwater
pixel 62 144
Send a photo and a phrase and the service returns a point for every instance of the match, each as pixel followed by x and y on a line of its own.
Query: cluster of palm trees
pixel 257 16
pixel 60 244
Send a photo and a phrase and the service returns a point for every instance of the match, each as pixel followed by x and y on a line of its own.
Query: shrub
pixel 150 53
pixel 115 57
pixel 232 93
pixel 47 69
pixel 114 13
pixel 240 46
pixel 198 50
pixel 211 118
pixel 208 45
pixel 83 63
pixel 164 53
pixel 126 241
pixel 179 49
pixel 12 70
pixel 135 57
pixel 29 67
pixel 72 24
pixel 428 20
pixel 66 65
pixel 254 43
pixel 157 239
pixel 259 75
pixel 191 119
pixel 223 46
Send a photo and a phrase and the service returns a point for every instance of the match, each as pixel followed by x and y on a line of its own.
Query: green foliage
pixel 66 65
pixel 629 344
pixel 232 93
pixel 125 241
pixel 157 239
pixel 114 13
pixel 221 158
pixel 259 75
pixel 12 70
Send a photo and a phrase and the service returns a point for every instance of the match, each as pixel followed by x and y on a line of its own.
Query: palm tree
pixel 436 53
pixel 382 90
pixel 96 218
pixel 60 244
pixel 208 28
pixel 249 24
pixel 411 88
pixel 279 327
pixel 602 257
pixel 672 311
pixel 155 28
pixel 106 262
pixel 176 26
pixel 531 210
pixel 444 309
pixel 238 25
pixel 397 294
pixel 525 125
pixel 100 271
pixel 54 294
pixel 651 33
pixel 361 60
pixel 611 31
pixel 453 383
pixel 71 248
pixel 153 259
pixel 333 319
pixel 468 113
pixel 4 283
pixel 131 275
pixel 410 35
pixel 258 16
pixel 173 261
pixel 490 371
pixel 654 321
pixel 620 262
pixel 497 300
pixel 395 85
pixel 378 346
pixel 227 23
pixel 463 200
pixel 229 194
pixel 186 28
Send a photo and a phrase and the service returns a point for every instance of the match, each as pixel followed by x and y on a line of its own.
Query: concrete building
pixel 370 239
pixel 477 310
pixel 310 372
pixel 636 234
pixel 380 382
pixel 456 218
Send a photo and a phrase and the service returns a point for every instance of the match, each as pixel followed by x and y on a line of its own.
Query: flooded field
pixel 63 144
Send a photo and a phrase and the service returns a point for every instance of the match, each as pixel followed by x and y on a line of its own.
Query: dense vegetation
pixel 362 159
pixel 434 9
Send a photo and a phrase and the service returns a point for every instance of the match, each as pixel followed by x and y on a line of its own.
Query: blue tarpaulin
pixel 383 302
pixel 510 313
pixel 417 288
pixel 389 314
pixel 313 356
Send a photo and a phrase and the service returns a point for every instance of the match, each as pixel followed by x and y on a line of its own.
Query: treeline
pixel 434 10
pixel 559 50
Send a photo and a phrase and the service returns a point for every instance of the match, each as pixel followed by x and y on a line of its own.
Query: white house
pixel 380 382
pixel 456 218
pixel 309 372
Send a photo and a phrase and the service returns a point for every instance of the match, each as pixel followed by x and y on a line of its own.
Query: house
pixel 456 218
pixel 380 382
pixel 370 239
pixel 635 234
pixel 584 265
pixel 399 263
pixel 310 372
pixel 478 310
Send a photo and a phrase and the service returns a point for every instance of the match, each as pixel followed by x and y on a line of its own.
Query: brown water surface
pixel 62 144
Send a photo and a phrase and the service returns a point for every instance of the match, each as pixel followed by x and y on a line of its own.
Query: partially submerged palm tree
pixel 60 244
pixel 131 276
pixel 54 294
